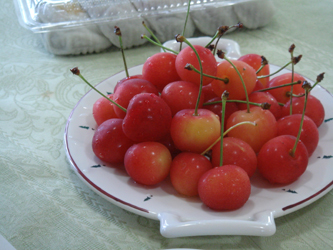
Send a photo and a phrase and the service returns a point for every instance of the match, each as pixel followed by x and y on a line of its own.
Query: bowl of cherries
pixel 205 140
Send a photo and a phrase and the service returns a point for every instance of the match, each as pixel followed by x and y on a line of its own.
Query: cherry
pixel 282 94
pixel 125 79
pixel 235 152
pixel 160 69
pixel 109 142
pixel 181 95
pixel 208 92
pixel 255 61
pixel 128 89
pixel 277 164
pixel 264 97
pixel 224 188
pixel 289 125
pixel 314 108
pixel 194 133
pixel 188 56
pixel 186 170
pixel 148 163
pixel 255 136
pixel 234 86
pixel 258 86
pixel 103 110
pixel 148 118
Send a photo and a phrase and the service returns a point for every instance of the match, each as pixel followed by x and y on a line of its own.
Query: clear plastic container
pixel 86 26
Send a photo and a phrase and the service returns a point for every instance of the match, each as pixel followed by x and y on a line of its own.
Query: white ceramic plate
pixel 181 216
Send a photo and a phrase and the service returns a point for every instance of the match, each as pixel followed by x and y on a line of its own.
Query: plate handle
pixel 262 224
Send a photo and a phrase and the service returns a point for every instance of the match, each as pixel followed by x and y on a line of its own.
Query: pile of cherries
pixel 209 125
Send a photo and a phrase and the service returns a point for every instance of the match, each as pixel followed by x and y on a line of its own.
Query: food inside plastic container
pixel 70 27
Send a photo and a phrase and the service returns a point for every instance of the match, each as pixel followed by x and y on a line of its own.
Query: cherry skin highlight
pixel 186 170
pixel 277 165
pixel 224 188
pixel 160 69
pixel 148 163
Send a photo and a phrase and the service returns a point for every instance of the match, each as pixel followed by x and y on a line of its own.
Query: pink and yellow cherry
pixel 276 163
pixel 148 163
pixel 109 142
pixel 264 97
pixel 224 188
pixel 194 133
pixel 255 136
pixel 186 170
pixel 148 118
pixel 282 94
pixel 235 152
pixel 103 110
pixel 255 61
pixel 234 86
pixel 289 125
pixel 314 108
pixel 125 79
pixel 160 69
pixel 188 56
pixel 181 95
pixel 128 89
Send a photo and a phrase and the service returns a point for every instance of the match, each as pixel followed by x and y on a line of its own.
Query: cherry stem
pixel 243 83
pixel 320 77
pixel 224 98
pixel 291 50
pixel 143 36
pixel 76 71
pixel 187 15
pixel 152 34
pixel 237 101
pixel 280 86
pixel 264 62
pixel 286 65
pixel 226 132
pixel 180 38
pixel 307 88
pixel 191 67
pixel 118 33
pixel 220 32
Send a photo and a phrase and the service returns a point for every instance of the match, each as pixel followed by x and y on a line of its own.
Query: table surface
pixel 44 204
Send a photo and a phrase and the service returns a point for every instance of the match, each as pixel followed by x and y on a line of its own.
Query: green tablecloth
pixel 44 205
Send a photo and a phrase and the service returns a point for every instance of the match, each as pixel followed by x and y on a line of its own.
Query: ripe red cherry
pixel 109 142
pixel 234 86
pixel 160 69
pixel 277 165
pixel 224 188
pixel 103 110
pixel 187 55
pixel 261 97
pixel 128 89
pixel 186 170
pixel 314 108
pixel 194 133
pixel 148 163
pixel 289 125
pixel 235 152
pixel 254 60
pixel 208 92
pixel 255 136
pixel 282 94
pixel 125 79
pixel 148 118
pixel 181 95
